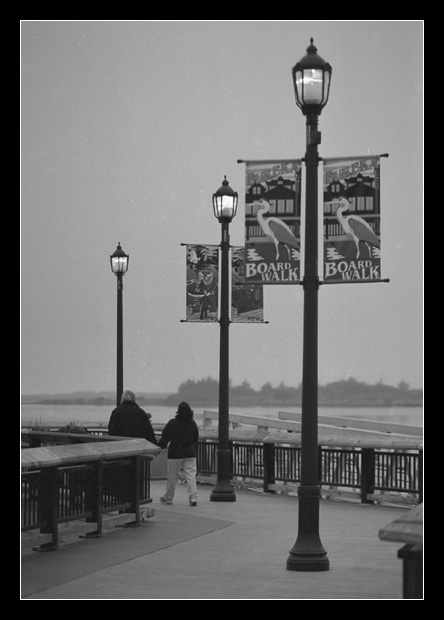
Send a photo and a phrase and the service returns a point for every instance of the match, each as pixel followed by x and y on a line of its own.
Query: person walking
pixel 205 304
pixel 181 436
pixel 129 420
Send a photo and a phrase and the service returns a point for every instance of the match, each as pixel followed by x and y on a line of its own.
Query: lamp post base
pixel 222 495
pixel 308 554
pixel 223 491
pixel 308 563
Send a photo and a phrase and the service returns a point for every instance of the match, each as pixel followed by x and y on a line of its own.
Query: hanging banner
pixel 272 222
pixel 202 283
pixel 247 300
pixel 352 247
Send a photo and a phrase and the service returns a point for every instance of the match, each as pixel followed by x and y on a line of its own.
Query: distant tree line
pixel 205 392
pixel 348 392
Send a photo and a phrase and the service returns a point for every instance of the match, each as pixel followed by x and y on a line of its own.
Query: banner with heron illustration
pixel 272 222
pixel 202 283
pixel 247 299
pixel 352 245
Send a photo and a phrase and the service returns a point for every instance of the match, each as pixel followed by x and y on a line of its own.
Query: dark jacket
pixel 181 436
pixel 129 420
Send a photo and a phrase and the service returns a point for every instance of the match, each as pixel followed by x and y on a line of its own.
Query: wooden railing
pixel 329 426
pixel 62 483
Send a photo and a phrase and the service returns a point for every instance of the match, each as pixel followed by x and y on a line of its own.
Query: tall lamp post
pixel 225 207
pixel 311 77
pixel 119 266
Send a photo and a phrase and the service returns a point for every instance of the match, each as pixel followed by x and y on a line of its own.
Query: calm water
pixel 90 415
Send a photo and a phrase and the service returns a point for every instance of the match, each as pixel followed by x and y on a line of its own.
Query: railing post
pixel 136 481
pixel 420 473
pixel 320 468
pixel 367 474
pixel 133 478
pixel 49 507
pixel 145 480
pixel 269 472
pixel 95 500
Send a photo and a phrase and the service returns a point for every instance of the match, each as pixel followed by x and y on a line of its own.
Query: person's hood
pixel 184 412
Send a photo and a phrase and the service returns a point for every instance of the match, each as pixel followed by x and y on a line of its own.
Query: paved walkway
pixel 235 550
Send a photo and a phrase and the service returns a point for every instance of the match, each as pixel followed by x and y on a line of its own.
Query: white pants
pixel 189 470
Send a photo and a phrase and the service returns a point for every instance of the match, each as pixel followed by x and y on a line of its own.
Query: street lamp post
pixel 311 76
pixel 119 266
pixel 225 206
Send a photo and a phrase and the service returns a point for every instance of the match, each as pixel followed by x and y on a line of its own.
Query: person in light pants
pixel 188 469
pixel 181 436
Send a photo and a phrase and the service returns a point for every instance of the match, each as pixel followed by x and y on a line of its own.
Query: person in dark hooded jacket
pixel 181 436
pixel 129 420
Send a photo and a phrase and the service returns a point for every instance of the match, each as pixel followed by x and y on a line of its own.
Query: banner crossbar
pixel 357 281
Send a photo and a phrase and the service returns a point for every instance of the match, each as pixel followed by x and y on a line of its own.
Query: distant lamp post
pixel 225 207
pixel 119 266
pixel 311 77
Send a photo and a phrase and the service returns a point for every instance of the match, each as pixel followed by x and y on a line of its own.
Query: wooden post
pixel 367 474
pixel 49 506
pixel 95 500
pixel 135 500
pixel 420 474
pixel 269 472
pixel 408 528
pixel 412 573
pixel 320 470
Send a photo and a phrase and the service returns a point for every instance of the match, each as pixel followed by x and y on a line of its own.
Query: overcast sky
pixel 128 128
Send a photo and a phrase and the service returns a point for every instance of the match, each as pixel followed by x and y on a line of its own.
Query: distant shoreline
pixel 197 403
pixel 205 393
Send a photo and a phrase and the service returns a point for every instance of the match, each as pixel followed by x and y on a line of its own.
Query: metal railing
pixel 369 472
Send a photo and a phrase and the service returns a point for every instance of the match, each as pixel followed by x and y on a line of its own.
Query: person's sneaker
pixel 165 501
pixel 193 502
